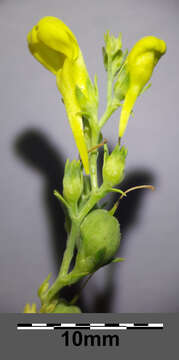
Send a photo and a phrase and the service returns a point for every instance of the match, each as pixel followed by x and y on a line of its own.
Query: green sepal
pixel 60 198
pixel 96 90
pixel 64 206
pixel 114 166
pixel 145 88
pixel 122 84
pixel 99 257
pixel 82 99
pixel 106 154
pixel 105 58
pixel 116 260
pixel 75 275
pixel 89 102
pixel 117 62
pixel 112 44
pixel 44 287
pixel 72 181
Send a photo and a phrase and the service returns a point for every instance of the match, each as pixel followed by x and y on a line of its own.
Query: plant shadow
pixel 34 148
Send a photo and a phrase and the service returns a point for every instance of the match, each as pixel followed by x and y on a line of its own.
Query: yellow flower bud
pixel 139 65
pixel 54 45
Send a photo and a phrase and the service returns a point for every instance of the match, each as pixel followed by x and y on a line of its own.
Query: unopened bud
pixel 114 166
pixel 72 181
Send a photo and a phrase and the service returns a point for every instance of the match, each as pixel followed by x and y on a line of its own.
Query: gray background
pixel 36 139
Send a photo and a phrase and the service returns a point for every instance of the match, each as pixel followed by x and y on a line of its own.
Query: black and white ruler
pixel 90 326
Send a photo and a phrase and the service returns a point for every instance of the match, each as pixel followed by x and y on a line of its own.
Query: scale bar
pixel 90 326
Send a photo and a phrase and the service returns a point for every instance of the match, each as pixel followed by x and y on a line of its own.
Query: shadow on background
pixel 35 149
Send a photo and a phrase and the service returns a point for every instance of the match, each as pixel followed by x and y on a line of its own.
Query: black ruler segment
pixel 90 326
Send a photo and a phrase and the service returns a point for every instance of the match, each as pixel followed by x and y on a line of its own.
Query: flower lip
pixel 146 44
pixel 51 41
pixel 56 35
pixel 54 45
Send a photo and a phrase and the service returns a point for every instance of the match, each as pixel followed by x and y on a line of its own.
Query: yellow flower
pixel 139 65
pixel 53 44
pixel 30 308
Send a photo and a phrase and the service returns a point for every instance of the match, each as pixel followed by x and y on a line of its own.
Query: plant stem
pixel 94 198
pixel 68 254
pixel 109 108
pixel 93 169
pixel 109 82
pixel 108 112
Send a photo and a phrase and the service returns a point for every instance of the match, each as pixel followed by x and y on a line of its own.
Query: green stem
pixel 109 108
pixel 68 254
pixel 108 112
pixel 94 198
pixel 93 161
pixel 109 82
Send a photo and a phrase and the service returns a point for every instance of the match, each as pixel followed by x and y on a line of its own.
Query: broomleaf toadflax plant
pixel 54 45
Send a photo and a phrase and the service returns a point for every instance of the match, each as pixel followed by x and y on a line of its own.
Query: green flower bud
pixel 114 165
pixel 113 56
pixel 72 181
pixel 113 44
pixel 63 307
pixel 100 239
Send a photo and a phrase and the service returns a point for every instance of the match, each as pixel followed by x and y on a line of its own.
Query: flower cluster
pixel 92 231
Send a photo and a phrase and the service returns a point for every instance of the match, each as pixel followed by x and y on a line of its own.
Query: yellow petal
pixel 56 35
pixel 51 41
pixel 72 74
pixel 49 58
pixel 140 64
